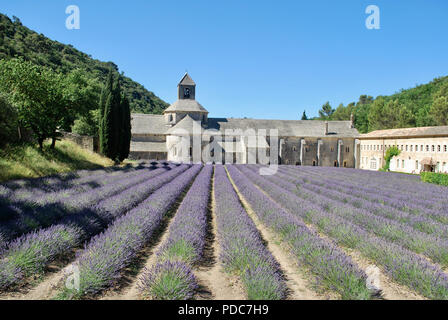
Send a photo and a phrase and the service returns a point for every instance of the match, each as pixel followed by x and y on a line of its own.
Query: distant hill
pixel 16 39
pixel 423 105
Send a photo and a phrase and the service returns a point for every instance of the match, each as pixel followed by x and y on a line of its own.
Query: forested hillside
pixel 18 40
pixel 423 105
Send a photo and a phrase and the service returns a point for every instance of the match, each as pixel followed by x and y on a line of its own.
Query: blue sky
pixel 259 59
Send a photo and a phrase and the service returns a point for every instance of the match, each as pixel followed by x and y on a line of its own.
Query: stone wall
pixel 146 155
pixel 87 142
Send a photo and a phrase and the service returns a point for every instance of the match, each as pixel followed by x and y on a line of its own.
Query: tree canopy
pixel 423 105
pixel 18 40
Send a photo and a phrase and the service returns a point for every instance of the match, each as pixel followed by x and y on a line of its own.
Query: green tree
pixel 326 111
pixel 8 122
pixel 439 109
pixel 390 153
pixel 38 93
pixel 105 94
pixel 304 116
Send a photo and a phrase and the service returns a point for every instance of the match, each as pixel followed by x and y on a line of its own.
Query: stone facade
pixel 311 143
pixel 421 149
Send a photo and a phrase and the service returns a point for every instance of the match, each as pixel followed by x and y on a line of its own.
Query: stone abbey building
pixel 309 142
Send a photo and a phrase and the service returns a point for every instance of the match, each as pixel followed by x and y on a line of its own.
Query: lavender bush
pixel 333 268
pixel 43 211
pixel 242 249
pixel 393 231
pixel 169 280
pixel 81 225
pixel 102 260
pixel 402 265
pixel 171 277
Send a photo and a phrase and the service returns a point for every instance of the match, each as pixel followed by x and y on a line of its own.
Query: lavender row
pixel 77 227
pixel 42 214
pixel 418 221
pixel 400 264
pixel 334 269
pixel 171 277
pixel 393 231
pixel 242 249
pixel 389 185
pixel 437 210
pixel 72 187
pixel 103 259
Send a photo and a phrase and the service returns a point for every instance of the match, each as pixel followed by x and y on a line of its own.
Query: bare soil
pixel 213 281
pixel 390 290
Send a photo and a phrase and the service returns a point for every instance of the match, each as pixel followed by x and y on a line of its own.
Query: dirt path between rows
pixel 298 283
pixel 45 290
pixel 390 290
pixel 213 281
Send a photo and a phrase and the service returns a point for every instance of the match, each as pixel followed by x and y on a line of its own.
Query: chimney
pixel 352 121
pixel 326 127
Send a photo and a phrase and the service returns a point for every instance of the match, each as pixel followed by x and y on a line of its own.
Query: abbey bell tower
pixel 186 105
pixel 186 88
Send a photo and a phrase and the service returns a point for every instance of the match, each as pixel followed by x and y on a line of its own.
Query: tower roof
pixel 186 105
pixel 186 80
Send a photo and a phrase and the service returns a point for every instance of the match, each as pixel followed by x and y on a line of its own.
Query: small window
pixel 402 164
pixel 170 118
pixel 373 165
pixel 444 148
pixel 335 163
pixel 433 148
pixel 307 149
pixel 427 148
pixel 406 147
pixel 416 147
pixel 332 149
pixel 314 163
pixel 347 149
pixel 439 148
pixel 398 163
pixel 412 148
pixel 212 153
pixel 416 164
pixel 294 148
pixel 345 164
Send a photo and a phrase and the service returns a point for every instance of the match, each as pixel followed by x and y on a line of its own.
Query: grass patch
pixel 27 161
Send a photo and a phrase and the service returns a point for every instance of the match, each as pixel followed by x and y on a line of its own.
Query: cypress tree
pixel 107 128
pixel 125 139
pixel 107 90
pixel 115 143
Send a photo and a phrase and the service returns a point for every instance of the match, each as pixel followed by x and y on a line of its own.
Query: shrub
pixel 436 178
pixel 390 153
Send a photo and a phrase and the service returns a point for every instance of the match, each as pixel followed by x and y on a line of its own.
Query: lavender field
pixel 169 231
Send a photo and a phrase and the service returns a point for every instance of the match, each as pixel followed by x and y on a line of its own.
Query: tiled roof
pixel 186 105
pixel 155 124
pixel 148 124
pixel 292 128
pixel 187 81
pixel 407 132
